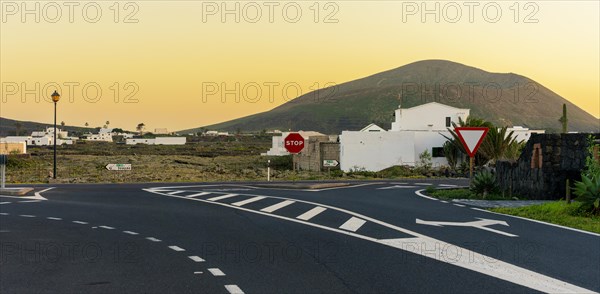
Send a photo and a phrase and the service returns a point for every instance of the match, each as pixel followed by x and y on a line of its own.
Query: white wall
pixel 374 151
pixel 139 141
pixel 429 140
pixel 170 140
pixel 422 116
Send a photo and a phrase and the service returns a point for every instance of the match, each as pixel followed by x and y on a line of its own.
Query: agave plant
pixel 484 183
pixel 588 193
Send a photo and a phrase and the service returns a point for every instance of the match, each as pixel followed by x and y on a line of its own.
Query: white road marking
pixel 177 248
pixel 27 215
pixel 459 205
pixel 106 227
pixel 464 258
pixel 130 233
pixel 197 194
pixel 5 202
pixel 216 272
pixel 253 199
pixel 396 187
pixel 80 222
pixel 423 184
pixel 443 201
pixel 539 222
pixel 4 213
pixel 353 224
pixel 36 197
pixel 447 185
pixel 196 258
pixel 222 197
pixel 424 196
pixel 30 201
pixel 54 218
pixel 197 273
pixel 482 223
pixel 153 239
pixel 175 192
pixel 277 206
pixel 234 289
pixel 311 213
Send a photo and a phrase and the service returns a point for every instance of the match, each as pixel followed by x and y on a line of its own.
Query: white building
pixel 414 130
pixel 277 148
pixel 158 141
pixel 523 134
pixel 43 138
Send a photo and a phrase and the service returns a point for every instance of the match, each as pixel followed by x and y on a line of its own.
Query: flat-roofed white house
pixel 414 130
pixel 157 141
pixel 277 148
pixel 43 138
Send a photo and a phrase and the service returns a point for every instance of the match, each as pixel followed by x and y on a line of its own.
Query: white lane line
pixel 222 197
pixel 459 205
pixel 311 213
pixel 30 201
pixel 5 202
pixel 176 248
pixel 197 273
pixel 480 263
pixel 216 272
pixel 106 227
pixel 130 233
pixel 446 185
pixel 244 202
pixel 196 258
pixel 175 192
pixel 80 222
pixel 27 215
pixel 4 213
pixel 396 187
pixel 443 201
pixel 153 239
pixel 234 289
pixel 54 218
pixel 197 194
pixel 539 222
pixel 424 196
pixel 277 206
pixel 353 224
pixel 423 184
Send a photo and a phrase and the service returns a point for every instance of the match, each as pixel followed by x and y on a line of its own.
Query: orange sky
pixel 169 55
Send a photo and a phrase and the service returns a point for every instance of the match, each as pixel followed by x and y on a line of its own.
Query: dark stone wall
pixel 559 157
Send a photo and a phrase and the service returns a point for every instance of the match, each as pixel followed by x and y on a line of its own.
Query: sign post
pixel 268 170
pixel 118 166
pixel 471 138
pixel 3 171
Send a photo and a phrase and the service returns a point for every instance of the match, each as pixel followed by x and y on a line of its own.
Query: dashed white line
pixel 4 213
pixel 30 201
pixel 153 239
pixel 197 194
pixel 277 206
pixel 5 202
pixel 106 227
pixel 197 273
pixel 80 222
pixel 443 201
pixel 196 258
pixel 216 272
pixel 311 213
pixel 130 233
pixel 234 289
pixel 27 215
pixel 222 197
pixel 244 202
pixel 176 248
pixel 423 184
pixel 446 185
pixel 54 218
pixel 353 224
pixel 459 205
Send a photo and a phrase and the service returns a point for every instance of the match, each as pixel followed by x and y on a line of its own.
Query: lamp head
pixel 55 96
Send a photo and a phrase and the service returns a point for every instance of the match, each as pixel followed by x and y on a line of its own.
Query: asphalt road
pixel 235 237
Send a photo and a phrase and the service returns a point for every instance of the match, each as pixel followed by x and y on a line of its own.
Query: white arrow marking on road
pixel 396 187
pixel 480 224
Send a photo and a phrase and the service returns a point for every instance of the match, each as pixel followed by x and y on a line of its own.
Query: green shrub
pixel 588 193
pixel 484 183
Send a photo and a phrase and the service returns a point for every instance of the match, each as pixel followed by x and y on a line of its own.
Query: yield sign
pixel 471 138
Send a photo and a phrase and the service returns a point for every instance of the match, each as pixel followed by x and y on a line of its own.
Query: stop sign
pixel 294 143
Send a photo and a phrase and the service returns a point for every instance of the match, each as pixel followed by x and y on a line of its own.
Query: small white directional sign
pixel 330 163
pixel 118 166
pixel 482 223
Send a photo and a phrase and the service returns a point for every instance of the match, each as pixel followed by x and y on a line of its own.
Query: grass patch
pixel 449 194
pixel 559 212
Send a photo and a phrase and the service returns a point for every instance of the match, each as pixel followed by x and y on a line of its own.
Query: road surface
pixel 369 237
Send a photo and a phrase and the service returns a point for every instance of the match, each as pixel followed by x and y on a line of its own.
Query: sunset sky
pixel 166 52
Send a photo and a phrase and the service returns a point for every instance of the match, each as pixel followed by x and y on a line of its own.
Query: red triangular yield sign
pixel 471 138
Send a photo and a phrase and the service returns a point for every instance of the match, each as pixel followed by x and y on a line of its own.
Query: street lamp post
pixel 55 98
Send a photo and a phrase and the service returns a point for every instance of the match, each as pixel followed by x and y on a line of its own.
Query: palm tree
pixel 140 127
pixel 62 124
pixel 107 124
pixel 18 127
pixel 86 124
pixel 498 143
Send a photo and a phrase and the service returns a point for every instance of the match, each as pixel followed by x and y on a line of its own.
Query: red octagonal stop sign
pixel 293 143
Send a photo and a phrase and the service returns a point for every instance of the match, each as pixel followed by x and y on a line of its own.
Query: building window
pixel 448 121
pixel 437 152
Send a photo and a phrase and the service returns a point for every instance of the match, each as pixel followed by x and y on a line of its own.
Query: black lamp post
pixel 55 98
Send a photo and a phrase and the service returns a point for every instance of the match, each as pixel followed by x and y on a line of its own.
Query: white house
pixel 43 138
pixel 523 134
pixel 277 148
pixel 414 130
pixel 158 141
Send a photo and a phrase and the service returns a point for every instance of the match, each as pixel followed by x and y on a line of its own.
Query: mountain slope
pixel 8 127
pixel 352 105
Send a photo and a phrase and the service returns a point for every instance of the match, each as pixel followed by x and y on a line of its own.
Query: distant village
pixel 413 131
